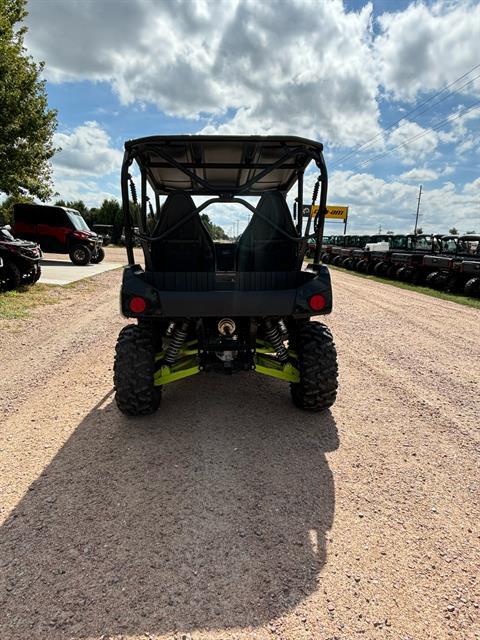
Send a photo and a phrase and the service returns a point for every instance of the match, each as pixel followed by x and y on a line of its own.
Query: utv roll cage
pixel 225 167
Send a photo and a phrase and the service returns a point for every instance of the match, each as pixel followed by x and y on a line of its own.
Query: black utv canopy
pixel 225 165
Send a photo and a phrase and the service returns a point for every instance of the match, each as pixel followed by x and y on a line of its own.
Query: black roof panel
pixel 223 164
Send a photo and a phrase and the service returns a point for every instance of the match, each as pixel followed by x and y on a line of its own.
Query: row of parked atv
pixel 442 262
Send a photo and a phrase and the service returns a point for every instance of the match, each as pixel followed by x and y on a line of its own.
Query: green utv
pixel 202 306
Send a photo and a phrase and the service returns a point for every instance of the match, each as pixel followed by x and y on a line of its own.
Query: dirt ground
pixel 119 254
pixel 230 514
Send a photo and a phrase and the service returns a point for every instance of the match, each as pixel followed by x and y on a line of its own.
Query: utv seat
pixel 189 246
pixel 262 247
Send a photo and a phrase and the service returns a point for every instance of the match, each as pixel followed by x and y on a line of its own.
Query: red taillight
pixel 137 304
pixel 317 302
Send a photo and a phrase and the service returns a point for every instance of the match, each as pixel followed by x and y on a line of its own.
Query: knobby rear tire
pixel 317 362
pixel 431 279
pixel 99 257
pixel 134 370
pixel 472 288
pixel 361 266
pixel 33 275
pixel 380 269
pixel 10 276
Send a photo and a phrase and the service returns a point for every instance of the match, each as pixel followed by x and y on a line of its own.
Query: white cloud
pixel 86 150
pixel 420 143
pixel 90 191
pixel 466 145
pixel 473 188
pixel 419 175
pixel 392 205
pixel 86 158
pixel 448 170
pixel 465 136
pixel 424 48
pixel 312 69
pixel 297 67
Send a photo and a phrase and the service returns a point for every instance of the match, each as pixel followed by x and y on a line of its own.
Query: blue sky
pixel 338 72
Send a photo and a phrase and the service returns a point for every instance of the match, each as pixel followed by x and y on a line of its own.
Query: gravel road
pixel 230 514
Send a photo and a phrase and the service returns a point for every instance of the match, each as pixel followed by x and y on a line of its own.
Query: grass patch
pixel 18 303
pixel 442 295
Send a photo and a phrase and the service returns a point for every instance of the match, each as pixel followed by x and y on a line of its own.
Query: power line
pixel 405 143
pixel 370 141
pixel 418 136
pixel 445 97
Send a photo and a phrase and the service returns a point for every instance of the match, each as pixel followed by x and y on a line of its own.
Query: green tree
pixel 110 212
pixel 26 123
pixel 453 231
pixel 93 216
pixel 215 230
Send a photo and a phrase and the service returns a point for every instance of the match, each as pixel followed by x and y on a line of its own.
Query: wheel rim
pixel 79 255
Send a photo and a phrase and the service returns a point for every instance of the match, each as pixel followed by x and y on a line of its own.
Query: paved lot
pixel 57 269
pixel 229 514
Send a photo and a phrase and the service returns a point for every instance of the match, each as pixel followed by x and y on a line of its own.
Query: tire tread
pixel 317 360
pixel 472 287
pixel 134 370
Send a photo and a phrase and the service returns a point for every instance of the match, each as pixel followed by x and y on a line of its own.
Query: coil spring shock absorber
pixel 178 338
pixel 133 189
pixel 273 336
pixel 283 329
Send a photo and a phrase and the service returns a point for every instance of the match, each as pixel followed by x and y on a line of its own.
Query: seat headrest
pixel 176 207
pixel 273 207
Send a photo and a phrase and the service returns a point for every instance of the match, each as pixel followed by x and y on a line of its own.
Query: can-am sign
pixel 334 212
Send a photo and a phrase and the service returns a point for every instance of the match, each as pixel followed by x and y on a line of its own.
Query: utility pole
pixel 418 209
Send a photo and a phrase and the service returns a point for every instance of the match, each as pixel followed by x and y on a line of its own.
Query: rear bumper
pixel 471 267
pixel 437 262
pixel 201 295
pixel 410 259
